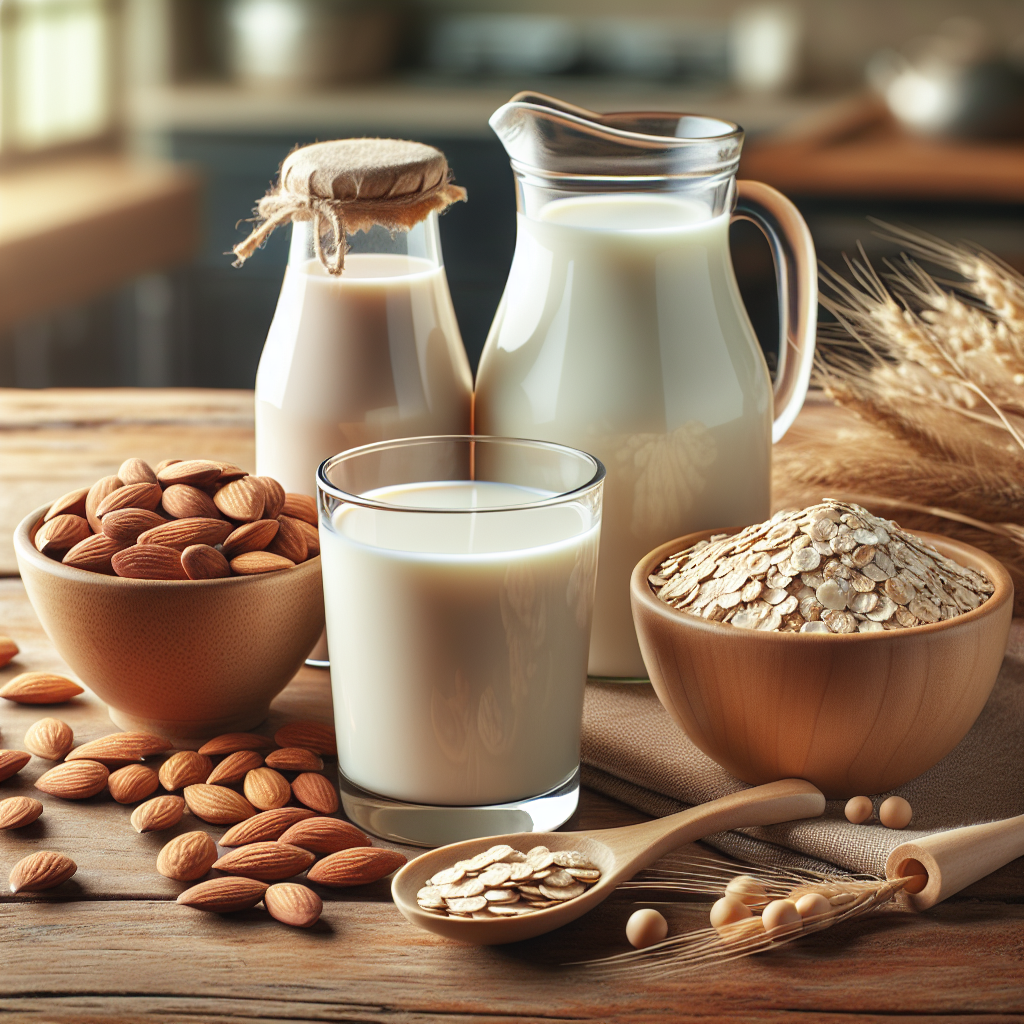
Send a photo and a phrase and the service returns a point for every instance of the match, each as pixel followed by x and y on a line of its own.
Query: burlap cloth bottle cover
pixel 634 752
pixel 351 185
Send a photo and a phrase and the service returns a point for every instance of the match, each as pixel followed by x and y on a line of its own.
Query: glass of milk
pixel 459 578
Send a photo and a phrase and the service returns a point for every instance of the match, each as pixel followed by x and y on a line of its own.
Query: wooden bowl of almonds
pixel 826 644
pixel 185 595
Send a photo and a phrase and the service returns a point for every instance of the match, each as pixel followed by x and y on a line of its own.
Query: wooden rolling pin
pixel 947 862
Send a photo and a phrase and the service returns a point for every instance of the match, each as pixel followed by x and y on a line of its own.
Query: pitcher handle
pixel 796 269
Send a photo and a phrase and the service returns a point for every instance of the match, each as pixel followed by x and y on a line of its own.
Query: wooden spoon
pixel 619 852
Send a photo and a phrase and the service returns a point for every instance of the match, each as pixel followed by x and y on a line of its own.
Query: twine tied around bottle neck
pixel 351 185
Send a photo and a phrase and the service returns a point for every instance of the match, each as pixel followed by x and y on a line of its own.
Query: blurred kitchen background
pixel 136 135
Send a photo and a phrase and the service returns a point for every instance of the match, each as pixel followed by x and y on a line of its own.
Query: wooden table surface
pixel 112 945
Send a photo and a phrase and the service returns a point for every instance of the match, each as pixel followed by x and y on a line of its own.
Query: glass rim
pixel 324 486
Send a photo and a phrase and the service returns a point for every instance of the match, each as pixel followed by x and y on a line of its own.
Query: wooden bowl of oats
pixel 854 712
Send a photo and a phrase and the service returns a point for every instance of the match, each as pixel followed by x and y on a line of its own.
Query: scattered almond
pixel 50 739
pixel 183 501
pixel 250 537
pixel 74 780
pixel 264 827
pixel 94 554
pixel 8 650
pixel 19 811
pixel 72 503
pixel 242 500
pixel 126 524
pixel 202 562
pixel 40 688
pixel 234 768
pixel 269 862
pixel 97 493
pixel 11 762
pixel 197 472
pixel 162 812
pixel 217 804
pixel 290 541
pixel 324 835
pixel 357 866
pixel 187 857
pixel 61 534
pixel 224 895
pixel 254 562
pixel 273 496
pixel 316 792
pixel 132 783
pixel 311 735
pixel 229 742
pixel 131 496
pixel 300 506
pixel 136 471
pixel 121 748
pixel 294 759
pixel 149 562
pixel 41 870
pixel 184 768
pixel 294 904
pixel 182 533
pixel 266 789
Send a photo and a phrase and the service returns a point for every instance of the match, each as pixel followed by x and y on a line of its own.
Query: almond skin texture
pixel 273 494
pixel 268 862
pixel 224 895
pixel 136 471
pixel 184 768
pixel 19 811
pixel 217 804
pixel 299 506
pixel 74 780
pixel 97 493
pixel 265 827
pixel 242 500
pixel 315 792
pixel 250 537
pixel 183 501
pixel 8 650
pixel 132 783
pixel 182 533
pixel 358 866
pixel 324 835
pixel 149 562
pixel 197 472
pixel 202 562
pixel 126 524
pixel 145 496
pixel 60 534
pixel 121 748
pixel 187 857
pixel 294 759
pixel 266 789
pixel 310 735
pixel 293 904
pixel 312 539
pixel 50 739
pixel 72 503
pixel 252 563
pixel 41 870
pixel 290 541
pixel 40 688
pixel 162 812
pixel 234 768
pixel 229 742
pixel 94 554
pixel 11 762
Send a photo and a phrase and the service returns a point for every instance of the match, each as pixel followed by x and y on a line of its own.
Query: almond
pixel 125 524
pixel 184 768
pixel 294 759
pixel 300 506
pixel 182 533
pixel 250 537
pixel 357 866
pixel 264 827
pixel 94 554
pixel 266 789
pixel 50 739
pixel 273 496
pixel 74 780
pixel 202 562
pixel 132 783
pixel 217 804
pixel 136 471
pixel 294 904
pixel 148 562
pixel 72 503
pixel 162 812
pixel 229 742
pixel 97 493
pixel 224 895
pixel 290 541
pixel 61 534
pixel 41 870
pixel 229 471
pixel 242 500
pixel 269 862
pixel 163 464
pixel 40 688
pixel 183 501
pixel 8 650
pixel 12 761
pixel 197 472
pixel 131 496
pixel 254 562
pixel 324 835
pixel 187 857
pixel 19 811
pixel 234 768
pixel 310 735
pixel 121 748
pixel 312 539
pixel 316 792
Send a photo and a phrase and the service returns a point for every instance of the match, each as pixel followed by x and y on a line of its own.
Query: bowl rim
pixel 24 548
pixel 640 590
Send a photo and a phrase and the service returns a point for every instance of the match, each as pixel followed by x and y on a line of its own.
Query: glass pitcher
pixel 621 330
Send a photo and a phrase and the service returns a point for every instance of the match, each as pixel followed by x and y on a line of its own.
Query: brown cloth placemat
pixel 634 752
